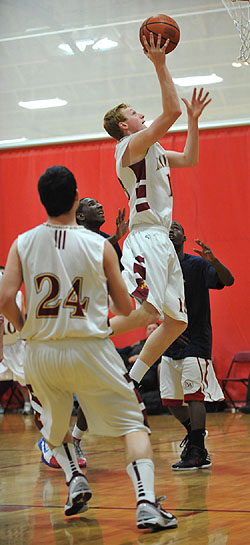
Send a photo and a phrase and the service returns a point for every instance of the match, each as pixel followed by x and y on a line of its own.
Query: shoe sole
pixel 205 466
pixel 79 504
pixel 152 523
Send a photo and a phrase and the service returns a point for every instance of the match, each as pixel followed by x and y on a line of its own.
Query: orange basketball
pixel 164 25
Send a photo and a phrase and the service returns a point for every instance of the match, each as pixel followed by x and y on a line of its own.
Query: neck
pixel 95 228
pixel 180 252
pixel 63 219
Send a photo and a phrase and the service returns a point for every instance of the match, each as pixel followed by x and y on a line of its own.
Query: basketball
pixel 164 25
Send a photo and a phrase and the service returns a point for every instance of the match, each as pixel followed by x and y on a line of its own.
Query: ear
pixel 122 125
pixel 77 196
pixel 80 216
pixel 184 238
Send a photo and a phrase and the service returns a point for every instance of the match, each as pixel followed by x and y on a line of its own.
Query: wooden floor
pixel 212 506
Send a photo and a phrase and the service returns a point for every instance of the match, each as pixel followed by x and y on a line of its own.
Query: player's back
pixel 65 284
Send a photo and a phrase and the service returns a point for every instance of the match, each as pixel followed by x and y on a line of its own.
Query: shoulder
pixel 122 145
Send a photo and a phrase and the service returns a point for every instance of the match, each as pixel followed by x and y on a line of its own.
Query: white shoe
pixel 82 462
pixel 151 515
pixel 79 494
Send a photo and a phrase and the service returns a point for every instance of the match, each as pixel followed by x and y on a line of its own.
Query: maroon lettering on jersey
pixel 142 206
pixel 139 170
pixel 141 191
pixel 140 269
pixel 141 292
pixel 60 239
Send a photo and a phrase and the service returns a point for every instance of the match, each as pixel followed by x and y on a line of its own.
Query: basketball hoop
pixel 239 11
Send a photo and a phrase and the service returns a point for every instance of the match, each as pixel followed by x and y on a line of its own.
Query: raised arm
pixel 122 303
pixel 171 110
pixel 224 274
pixel 190 156
pixel 9 286
pixel 121 227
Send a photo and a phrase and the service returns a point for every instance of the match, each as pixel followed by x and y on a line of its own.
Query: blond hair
pixel 112 119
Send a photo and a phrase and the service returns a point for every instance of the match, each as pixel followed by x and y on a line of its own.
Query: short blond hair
pixel 112 119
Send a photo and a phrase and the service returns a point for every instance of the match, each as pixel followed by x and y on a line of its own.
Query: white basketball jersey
pixel 65 284
pixel 147 185
pixel 10 334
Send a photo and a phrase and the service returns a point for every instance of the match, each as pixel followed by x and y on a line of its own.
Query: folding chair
pixel 238 359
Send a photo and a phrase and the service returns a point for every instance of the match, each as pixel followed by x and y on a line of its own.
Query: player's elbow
pixel 176 113
pixel 230 281
pixel 127 307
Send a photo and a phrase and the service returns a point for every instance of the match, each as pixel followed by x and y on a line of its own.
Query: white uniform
pixel 12 365
pixel 151 267
pixel 189 379
pixel 68 350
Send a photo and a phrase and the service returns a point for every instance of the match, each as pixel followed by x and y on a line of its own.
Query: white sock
pixel 66 458
pixel 77 433
pixel 138 370
pixel 141 473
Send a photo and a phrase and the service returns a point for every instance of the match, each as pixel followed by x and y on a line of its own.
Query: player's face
pixel 176 234
pixel 92 212
pixel 134 120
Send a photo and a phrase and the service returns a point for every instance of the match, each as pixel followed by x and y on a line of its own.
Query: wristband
pixel 138 370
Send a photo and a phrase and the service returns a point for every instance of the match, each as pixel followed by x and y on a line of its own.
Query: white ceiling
pixel 33 67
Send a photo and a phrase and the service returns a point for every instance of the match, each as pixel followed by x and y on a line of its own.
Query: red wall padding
pixel 210 200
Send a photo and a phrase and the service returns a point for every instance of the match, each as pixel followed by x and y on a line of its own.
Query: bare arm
pixel 121 227
pixel 190 156
pixel 116 285
pixel 224 274
pixel 9 286
pixel 142 140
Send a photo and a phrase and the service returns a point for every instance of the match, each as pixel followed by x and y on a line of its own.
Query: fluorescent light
pixel 104 44
pixel 66 49
pixel 197 80
pixel 38 104
pixel 13 140
pixel 82 44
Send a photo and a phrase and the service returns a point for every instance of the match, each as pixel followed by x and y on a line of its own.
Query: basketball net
pixel 239 11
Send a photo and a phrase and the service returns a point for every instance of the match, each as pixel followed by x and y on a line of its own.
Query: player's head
pixel 57 189
pixel 176 234
pixel 123 120
pixel 150 328
pixel 90 213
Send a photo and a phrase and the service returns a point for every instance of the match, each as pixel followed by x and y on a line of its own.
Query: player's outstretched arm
pixel 190 156
pixel 223 272
pixel 122 303
pixel 9 286
pixel 171 109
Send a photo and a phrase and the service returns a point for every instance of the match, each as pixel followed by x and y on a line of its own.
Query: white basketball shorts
pixel 152 270
pixel 93 371
pixel 189 379
pixel 12 365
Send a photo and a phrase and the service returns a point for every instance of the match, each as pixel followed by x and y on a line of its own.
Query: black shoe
pixel 186 442
pixel 196 458
pixel 245 409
